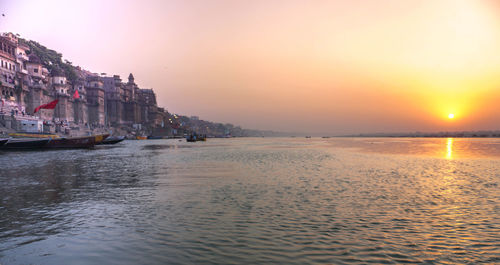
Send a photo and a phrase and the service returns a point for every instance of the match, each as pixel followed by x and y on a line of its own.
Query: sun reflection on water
pixel 443 148
pixel 449 148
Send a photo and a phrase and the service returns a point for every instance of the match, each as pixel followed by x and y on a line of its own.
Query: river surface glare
pixel 254 201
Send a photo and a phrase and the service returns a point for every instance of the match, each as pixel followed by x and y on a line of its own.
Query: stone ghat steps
pixel 9 108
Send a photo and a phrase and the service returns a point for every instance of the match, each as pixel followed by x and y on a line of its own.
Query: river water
pixel 254 201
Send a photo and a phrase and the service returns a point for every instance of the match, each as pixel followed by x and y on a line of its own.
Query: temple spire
pixel 131 78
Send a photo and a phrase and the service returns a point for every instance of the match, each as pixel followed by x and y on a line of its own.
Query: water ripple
pixel 251 201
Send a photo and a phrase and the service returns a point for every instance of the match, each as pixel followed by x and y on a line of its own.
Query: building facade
pixel 90 99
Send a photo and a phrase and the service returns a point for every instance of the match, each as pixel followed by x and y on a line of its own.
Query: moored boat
pixel 71 142
pixel 112 140
pixel 100 137
pixel 195 138
pixel 3 141
pixel 23 144
pixel 152 137
pixel 141 137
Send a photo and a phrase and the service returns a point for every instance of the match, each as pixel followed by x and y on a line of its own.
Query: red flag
pixel 50 105
pixel 76 95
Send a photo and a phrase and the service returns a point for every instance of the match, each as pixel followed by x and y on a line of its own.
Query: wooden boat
pixel 24 144
pixel 100 137
pixel 196 138
pixel 33 135
pixel 71 142
pixel 112 140
pixel 141 137
pixel 151 137
pixel 3 141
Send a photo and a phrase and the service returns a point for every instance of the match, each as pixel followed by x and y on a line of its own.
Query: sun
pixel 451 116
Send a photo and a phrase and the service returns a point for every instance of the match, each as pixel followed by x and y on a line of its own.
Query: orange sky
pixel 305 66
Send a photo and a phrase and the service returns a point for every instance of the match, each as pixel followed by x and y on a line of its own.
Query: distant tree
pixel 51 59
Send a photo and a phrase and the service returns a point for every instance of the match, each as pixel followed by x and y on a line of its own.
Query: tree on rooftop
pixel 51 58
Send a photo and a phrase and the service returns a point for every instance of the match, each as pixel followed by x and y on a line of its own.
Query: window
pixel 35 70
pixel 62 82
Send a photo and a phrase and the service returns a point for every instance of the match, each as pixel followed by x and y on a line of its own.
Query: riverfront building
pixel 89 100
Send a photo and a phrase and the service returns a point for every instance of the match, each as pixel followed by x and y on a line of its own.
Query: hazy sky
pixel 311 66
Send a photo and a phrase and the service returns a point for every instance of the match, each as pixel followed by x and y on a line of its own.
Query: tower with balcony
pixel 95 100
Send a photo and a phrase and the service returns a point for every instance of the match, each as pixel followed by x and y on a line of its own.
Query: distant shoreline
pixel 409 136
pixel 464 134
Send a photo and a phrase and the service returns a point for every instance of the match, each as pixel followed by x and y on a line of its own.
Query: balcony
pixel 7 55
pixel 7 84
pixel 23 57
pixel 37 85
pixel 62 94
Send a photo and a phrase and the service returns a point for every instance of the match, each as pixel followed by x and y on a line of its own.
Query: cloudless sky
pixel 305 66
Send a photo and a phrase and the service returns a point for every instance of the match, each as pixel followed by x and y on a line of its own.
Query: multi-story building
pixel 95 101
pixel 80 106
pixel 61 91
pixel 89 99
pixel 8 67
pixel 113 90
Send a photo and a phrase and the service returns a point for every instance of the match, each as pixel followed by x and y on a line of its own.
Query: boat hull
pixel 24 144
pixel 112 140
pixel 71 143
pixel 196 138
pixel 3 141
pixel 101 137
pixel 155 137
